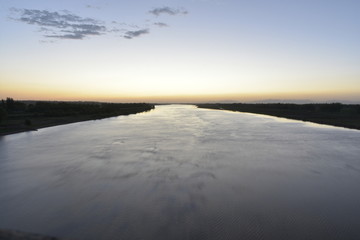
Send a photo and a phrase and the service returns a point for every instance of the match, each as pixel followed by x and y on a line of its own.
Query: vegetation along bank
pixel 19 116
pixel 335 114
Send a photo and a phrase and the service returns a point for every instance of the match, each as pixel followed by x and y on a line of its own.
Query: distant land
pixel 335 114
pixel 20 116
pixel 295 101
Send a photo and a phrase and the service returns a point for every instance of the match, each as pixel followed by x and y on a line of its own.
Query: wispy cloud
pixel 66 25
pixel 168 10
pixel 93 6
pixel 138 33
pixel 63 25
pixel 161 24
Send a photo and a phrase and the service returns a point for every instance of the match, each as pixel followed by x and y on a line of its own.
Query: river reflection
pixel 179 172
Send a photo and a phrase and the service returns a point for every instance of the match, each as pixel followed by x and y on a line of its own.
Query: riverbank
pixel 334 114
pixel 17 126
pixel 48 114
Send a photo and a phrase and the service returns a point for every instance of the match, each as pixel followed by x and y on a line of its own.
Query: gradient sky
pixel 172 50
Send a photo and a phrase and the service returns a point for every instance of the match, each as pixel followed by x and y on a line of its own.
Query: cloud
pixel 66 25
pixel 92 6
pixel 161 24
pixel 167 10
pixel 138 33
pixel 63 25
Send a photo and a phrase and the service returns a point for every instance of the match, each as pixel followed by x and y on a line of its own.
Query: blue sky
pixel 179 50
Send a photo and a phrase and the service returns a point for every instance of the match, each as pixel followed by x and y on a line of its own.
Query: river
pixel 178 172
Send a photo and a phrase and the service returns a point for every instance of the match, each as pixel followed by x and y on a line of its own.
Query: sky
pixel 180 50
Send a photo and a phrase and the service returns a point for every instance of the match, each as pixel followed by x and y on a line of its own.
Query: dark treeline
pixel 56 109
pixel 336 114
pixel 18 116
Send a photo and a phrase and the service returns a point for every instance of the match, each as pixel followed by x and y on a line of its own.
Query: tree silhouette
pixel 3 114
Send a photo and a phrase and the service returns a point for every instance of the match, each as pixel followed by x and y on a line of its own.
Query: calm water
pixel 183 173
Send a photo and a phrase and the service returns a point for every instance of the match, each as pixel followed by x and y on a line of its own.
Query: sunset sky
pixel 172 50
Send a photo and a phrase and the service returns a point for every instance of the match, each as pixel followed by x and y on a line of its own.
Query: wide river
pixel 179 172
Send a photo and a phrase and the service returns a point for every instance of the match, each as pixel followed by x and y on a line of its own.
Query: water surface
pixel 179 172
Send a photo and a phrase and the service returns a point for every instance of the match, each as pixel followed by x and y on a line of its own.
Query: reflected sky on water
pixel 179 172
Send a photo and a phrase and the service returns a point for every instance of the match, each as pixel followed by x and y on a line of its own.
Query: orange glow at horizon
pixel 36 93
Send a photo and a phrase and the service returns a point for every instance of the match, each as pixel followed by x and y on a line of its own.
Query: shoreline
pixel 21 129
pixel 348 118
pixel 18 126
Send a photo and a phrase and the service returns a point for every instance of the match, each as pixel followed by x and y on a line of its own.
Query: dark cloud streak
pixel 138 33
pixel 66 25
pixel 161 24
pixel 167 10
pixel 63 25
